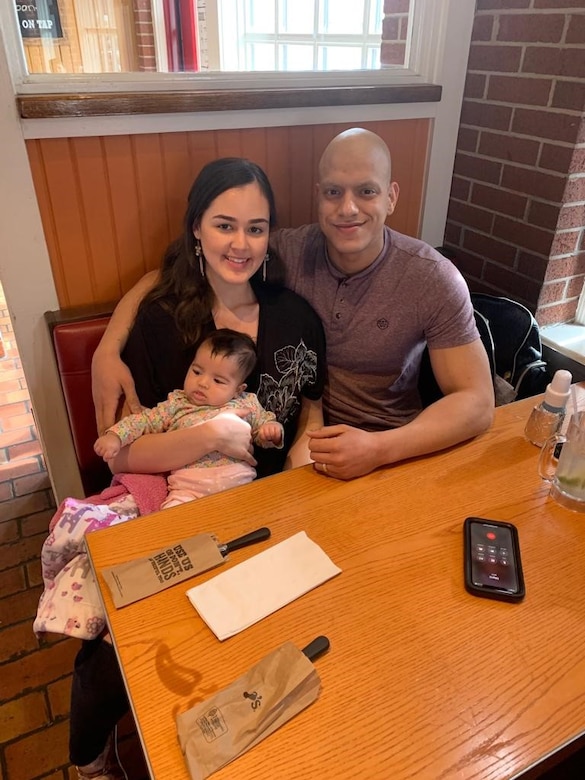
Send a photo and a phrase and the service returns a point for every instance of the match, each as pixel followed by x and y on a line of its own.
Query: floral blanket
pixel 70 603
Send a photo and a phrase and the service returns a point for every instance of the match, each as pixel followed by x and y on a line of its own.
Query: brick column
pixel 144 35
pixel 516 213
pixel 394 30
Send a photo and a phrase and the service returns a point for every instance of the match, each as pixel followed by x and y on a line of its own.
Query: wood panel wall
pixel 110 205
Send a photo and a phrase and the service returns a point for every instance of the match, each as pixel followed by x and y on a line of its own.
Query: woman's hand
pixel 230 436
pixel 111 381
pixel 161 452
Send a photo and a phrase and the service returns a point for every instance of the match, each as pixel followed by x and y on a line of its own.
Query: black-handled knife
pixel 317 647
pixel 259 535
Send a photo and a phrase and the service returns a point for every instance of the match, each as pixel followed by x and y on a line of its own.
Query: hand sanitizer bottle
pixel 547 417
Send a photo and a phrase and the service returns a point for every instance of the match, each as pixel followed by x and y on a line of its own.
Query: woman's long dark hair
pixel 182 289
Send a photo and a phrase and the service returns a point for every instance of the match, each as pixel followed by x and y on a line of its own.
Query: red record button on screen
pixel 491 535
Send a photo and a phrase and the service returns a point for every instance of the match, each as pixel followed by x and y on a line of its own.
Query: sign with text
pixel 39 19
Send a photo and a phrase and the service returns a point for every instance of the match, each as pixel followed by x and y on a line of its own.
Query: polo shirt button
pixel 338 316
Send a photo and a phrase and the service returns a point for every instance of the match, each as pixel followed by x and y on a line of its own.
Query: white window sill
pixel 568 338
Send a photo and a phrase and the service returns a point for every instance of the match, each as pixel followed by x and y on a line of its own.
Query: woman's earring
pixel 266 259
pixel 199 256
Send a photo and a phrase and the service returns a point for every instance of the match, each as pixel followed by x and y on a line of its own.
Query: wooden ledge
pixel 182 102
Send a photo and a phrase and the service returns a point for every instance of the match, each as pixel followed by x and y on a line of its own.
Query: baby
pixel 214 386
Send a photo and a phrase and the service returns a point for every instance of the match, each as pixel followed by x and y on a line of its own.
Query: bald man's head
pixel 360 143
pixel 356 194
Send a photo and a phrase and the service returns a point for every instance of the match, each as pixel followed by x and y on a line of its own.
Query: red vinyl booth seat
pixel 75 337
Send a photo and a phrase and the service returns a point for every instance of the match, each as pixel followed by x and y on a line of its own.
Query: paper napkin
pixel 250 591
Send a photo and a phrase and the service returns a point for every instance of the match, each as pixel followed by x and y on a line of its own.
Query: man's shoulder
pixel 301 233
pixel 420 260
pixel 400 243
pixel 293 241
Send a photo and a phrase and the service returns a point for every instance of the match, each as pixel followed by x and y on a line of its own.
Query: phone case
pixel 496 572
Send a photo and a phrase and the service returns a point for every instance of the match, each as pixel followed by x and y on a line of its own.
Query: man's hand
pixel 343 452
pixel 110 381
pixel 270 435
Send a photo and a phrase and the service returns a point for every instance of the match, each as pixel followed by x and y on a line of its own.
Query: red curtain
pixel 181 35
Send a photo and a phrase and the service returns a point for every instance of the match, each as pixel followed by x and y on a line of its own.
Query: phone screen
pixel 492 557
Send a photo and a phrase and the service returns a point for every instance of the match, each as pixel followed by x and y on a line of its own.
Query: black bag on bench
pixel 517 345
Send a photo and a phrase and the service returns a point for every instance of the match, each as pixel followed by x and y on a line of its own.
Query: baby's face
pixel 212 380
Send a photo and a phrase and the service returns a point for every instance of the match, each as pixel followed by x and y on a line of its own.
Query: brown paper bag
pixel 134 580
pixel 272 692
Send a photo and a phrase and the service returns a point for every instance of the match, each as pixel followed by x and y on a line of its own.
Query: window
pixel 136 47
pixel 105 35
pixel 299 35
pixel 126 36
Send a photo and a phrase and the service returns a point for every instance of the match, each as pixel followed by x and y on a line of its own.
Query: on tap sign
pixel 39 19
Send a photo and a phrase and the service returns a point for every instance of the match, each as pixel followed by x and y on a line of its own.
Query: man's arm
pixel 110 377
pixel 467 409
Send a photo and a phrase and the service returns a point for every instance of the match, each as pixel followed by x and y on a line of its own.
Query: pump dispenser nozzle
pixel 547 417
pixel 557 392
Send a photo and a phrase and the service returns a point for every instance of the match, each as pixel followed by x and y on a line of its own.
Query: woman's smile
pixel 234 233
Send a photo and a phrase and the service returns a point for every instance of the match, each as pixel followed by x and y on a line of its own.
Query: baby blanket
pixel 70 603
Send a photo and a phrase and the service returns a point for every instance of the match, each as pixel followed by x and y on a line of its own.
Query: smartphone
pixel 493 568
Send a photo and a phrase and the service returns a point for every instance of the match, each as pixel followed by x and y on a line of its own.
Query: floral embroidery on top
pixel 298 367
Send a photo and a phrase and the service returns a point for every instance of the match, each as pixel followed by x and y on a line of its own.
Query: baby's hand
pixel 270 435
pixel 108 446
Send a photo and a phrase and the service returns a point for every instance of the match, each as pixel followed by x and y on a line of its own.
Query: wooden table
pixel 422 679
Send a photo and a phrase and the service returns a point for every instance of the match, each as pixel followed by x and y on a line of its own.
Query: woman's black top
pixel 291 361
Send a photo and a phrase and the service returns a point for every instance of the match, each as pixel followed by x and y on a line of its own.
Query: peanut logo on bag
pixel 255 699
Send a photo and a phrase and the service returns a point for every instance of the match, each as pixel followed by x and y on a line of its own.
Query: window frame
pixel 71 96
pixel 422 58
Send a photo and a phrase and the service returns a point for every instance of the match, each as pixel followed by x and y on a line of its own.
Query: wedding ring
pixel 324 467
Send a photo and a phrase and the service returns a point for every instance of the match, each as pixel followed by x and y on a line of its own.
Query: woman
pixel 214 276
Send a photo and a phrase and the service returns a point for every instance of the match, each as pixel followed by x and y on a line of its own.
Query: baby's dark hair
pixel 231 343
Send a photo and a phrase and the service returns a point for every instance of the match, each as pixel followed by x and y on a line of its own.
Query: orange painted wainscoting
pixel 110 205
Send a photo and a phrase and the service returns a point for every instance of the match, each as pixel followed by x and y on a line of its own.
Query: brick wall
pixel 144 35
pixel 517 214
pixel 394 32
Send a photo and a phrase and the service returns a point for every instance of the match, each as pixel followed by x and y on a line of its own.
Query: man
pixel 382 297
